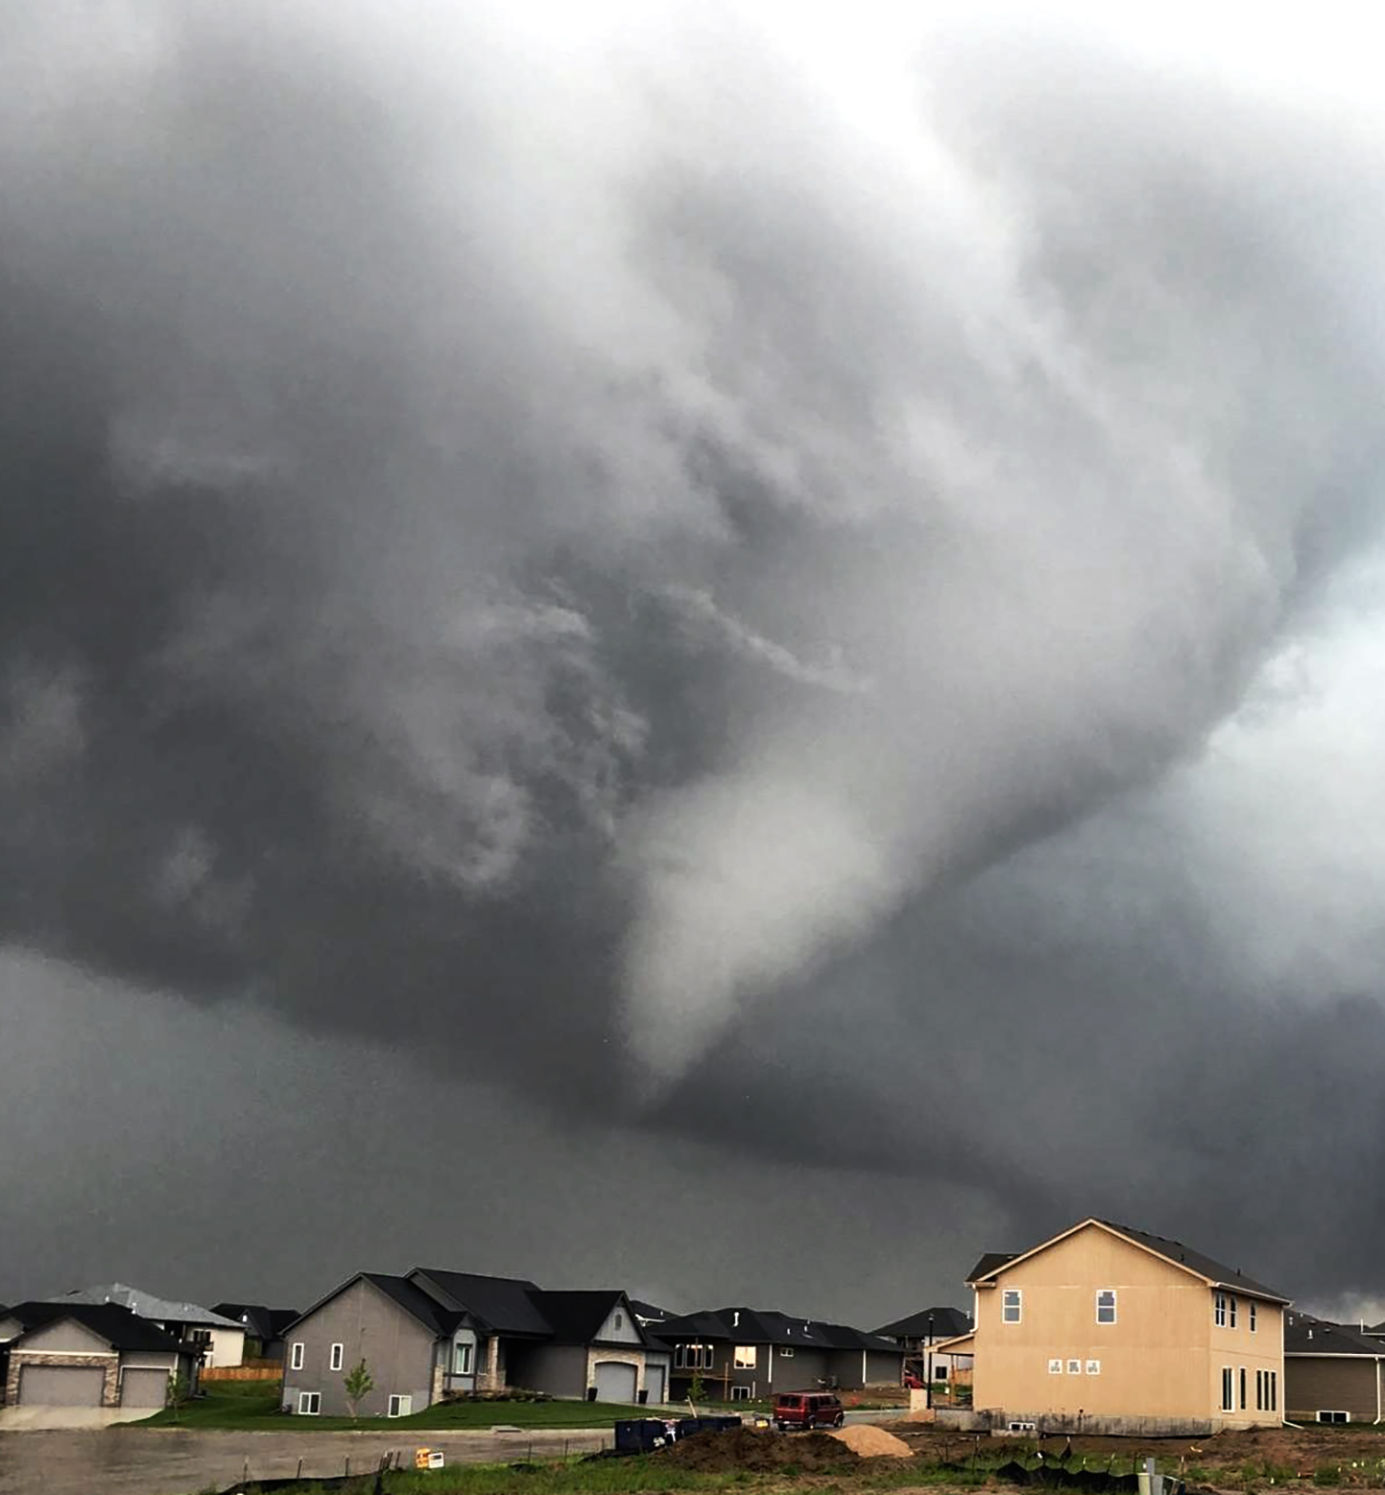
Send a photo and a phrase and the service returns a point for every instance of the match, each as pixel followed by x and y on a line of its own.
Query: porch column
pixel 493 1363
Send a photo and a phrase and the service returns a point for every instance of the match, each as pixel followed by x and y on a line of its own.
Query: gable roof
pixel 498 1305
pixel 412 1299
pixel 577 1317
pixel 1306 1335
pixel 1215 1273
pixel 256 1319
pixel 117 1325
pixel 945 1322
pixel 160 1310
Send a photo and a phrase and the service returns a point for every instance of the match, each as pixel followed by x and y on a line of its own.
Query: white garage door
pixel 615 1381
pixel 61 1385
pixel 144 1388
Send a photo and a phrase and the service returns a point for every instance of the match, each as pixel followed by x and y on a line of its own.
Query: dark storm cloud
pixel 590 558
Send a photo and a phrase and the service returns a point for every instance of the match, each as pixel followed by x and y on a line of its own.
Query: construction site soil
pixel 760 1452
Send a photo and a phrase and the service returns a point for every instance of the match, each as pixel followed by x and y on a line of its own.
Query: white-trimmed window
pixel 1228 1387
pixel 338 1352
pixel 1074 1367
pixel 620 1319
pixel 296 1355
pixel 1106 1305
pixel 1055 1366
pixel 1011 1305
pixel 1273 1376
pixel 1232 1302
pixel 1094 1367
pixel 461 1359
pixel 740 1393
pixel 1251 1308
pixel 1219 1311
pixel 1334 1416
pixel 692 1356
pixel 786 1352
pixel 309 1403
pixel 1243 1388
pixel 744 1358
pixel 401 1406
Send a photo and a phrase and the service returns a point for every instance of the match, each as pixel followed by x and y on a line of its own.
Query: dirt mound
pixel 740 1448
pixel 869 1442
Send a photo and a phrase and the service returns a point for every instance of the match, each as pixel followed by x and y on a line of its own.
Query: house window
pixel 1232 1302
pixel 692 1356
pixel 401 1406
pixel 296 1355
pixel 309 1403
pixel 1259 1390
pixel 337 1352
pixel 1243 1388
pixel 462 1359
pixel 745 1357
pixel 1227 1389
pixel 1094 1367
pixel 740 1393
pixel 1219 1313
pixel 786 1352
pixel 1273 1376
pixel 1011 1305
pixel 1106 1305
pixel 620 1319
pixel 1334 1416
pixel 1074 1367
pixel 940 1371
pixel 1055 1366
pixel 1251 1306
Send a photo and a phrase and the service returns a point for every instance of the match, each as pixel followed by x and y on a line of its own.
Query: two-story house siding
pixel 1104 1327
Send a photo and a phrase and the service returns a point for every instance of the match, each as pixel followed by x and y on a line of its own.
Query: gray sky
pixel 712 650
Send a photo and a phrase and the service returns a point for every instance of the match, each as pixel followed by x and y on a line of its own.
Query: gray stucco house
pixel 433 1332
pixel 85 1365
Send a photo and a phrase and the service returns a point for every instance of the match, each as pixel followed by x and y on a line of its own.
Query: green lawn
pixel 254 1405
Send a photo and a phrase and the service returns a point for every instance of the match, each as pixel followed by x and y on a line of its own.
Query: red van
pixel 807 1409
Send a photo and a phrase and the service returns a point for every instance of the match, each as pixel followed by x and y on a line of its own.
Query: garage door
pixel 615 1381
pixel 654 1379
pixel 61 1385
pixel 144 1388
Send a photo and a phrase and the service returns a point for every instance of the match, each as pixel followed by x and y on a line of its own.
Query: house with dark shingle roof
pixel 264 1327
pixel 739 1354
pixel 1108 1328
pixel 916 1335
pixel 86 1365
pixel 1332 1372
pixel 434 1332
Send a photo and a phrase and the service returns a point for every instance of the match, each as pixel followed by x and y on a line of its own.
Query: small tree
pixel 358 1383
pixel 695 1387
pixel 179 1389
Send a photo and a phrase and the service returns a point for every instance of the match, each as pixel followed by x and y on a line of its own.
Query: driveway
pixel 177 1461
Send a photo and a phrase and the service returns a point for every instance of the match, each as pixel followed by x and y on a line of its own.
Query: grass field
pixel 254 1405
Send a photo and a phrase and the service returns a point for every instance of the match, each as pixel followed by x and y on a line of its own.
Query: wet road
pixel 176 1461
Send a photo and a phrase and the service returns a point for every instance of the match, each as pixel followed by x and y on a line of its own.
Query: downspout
pixel 863 1367
pixel 1377 1391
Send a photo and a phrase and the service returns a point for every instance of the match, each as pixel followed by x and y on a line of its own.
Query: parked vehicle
pixel 807 1409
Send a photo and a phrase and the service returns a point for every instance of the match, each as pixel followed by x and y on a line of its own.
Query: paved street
pixel 160 1461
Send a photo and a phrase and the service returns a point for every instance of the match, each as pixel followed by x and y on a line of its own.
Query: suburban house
pixel 436 1332
pixel 919 1332
pixel 221 1339
pixel 264 1327
pixel 1108 1329
pixel 1332 1372
pixel 739 1354
pixel 85 1365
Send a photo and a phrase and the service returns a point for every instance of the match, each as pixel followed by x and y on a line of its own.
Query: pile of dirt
pixel 869 1442
pixel 763 1453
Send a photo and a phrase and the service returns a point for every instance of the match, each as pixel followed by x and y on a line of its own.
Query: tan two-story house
pixel 1108 1329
